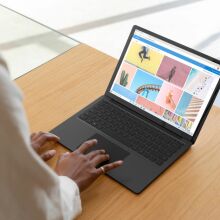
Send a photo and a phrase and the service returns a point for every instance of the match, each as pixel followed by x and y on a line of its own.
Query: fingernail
pixel 51 152
pixel 66 154
pixel 51 134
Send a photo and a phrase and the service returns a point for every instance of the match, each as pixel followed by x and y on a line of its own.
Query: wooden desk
pixel 190 189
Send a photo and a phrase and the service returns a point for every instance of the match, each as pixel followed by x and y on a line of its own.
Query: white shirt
pixel 29 189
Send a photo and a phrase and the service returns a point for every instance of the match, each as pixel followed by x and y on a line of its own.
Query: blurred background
pixel 104 25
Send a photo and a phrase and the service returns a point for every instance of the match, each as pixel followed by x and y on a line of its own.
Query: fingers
pixel 34 136
pixel 109 167
pixel 86 146
pixel 41 138
pixel 48 155
pixel 94 153
pixel 99 159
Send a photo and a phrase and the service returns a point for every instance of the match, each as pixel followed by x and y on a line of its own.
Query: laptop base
pixel 136 173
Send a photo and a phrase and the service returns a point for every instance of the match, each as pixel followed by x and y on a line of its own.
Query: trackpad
pixel 115 152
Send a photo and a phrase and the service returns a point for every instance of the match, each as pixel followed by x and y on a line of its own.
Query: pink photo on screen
pixel 173 71
pixel 168 96
pixel 150 105
pixel 126 75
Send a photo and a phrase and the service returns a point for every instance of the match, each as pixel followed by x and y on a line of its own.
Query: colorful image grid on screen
pixel 163 86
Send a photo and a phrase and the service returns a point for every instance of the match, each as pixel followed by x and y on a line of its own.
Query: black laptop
pixel 152 111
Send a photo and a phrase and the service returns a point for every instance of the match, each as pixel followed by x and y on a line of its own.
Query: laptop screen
pixel 166 81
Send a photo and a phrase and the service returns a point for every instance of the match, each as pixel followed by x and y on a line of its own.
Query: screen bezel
pixel 149 116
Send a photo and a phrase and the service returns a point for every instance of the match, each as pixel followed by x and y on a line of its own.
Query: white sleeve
pixel 29 189
pixel 3 63
pixel 70 195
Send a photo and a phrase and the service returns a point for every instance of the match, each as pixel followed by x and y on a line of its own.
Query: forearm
pixel 70 197
pixel 40 194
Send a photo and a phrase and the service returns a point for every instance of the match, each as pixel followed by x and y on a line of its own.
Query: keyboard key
pixel 145 139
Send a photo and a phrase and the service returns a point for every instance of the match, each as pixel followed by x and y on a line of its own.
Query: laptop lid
pixel 167 82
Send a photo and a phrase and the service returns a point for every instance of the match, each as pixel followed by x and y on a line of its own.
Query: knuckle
pixel 93 172
pixel 104 157
pixel 44 138
pixel 76 152
pixel 86 144
pixel 109 167
pixel 93 153
pixel 43 135
pixel 96 153
pixel 83 158
pixel 90 165
pixel 36 146
pixel 101 158
pixel 47 154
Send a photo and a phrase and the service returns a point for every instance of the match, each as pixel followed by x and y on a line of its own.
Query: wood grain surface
pixel 188 190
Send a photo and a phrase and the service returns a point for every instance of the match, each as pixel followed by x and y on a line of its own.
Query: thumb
pixel 48 155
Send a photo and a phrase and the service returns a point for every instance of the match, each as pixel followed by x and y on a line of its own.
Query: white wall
pixel 105 24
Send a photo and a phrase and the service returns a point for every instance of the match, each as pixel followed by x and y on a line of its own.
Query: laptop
pixel 153 108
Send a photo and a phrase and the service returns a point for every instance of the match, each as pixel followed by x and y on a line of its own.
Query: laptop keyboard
pixel 132 132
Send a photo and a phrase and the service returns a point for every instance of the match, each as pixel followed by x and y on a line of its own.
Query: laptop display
pixel 166 81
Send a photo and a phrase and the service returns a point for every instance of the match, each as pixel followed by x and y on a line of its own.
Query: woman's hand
pixel 81 166
pixel 39 139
